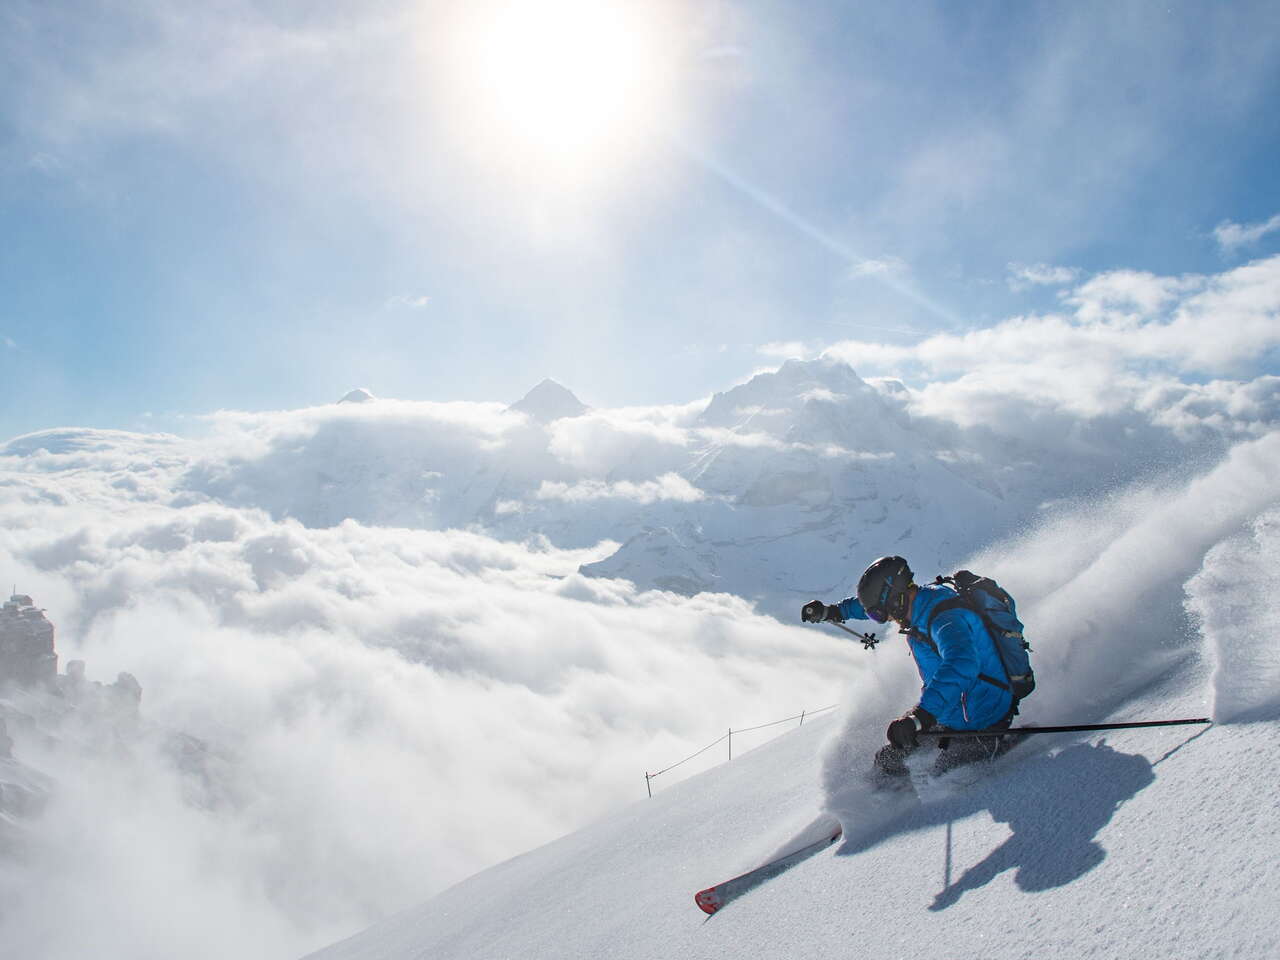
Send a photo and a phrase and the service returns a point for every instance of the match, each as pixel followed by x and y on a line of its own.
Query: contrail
pixel 773 205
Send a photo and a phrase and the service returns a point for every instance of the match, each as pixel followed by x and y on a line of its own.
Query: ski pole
pixel 1073 728
pixel 869 640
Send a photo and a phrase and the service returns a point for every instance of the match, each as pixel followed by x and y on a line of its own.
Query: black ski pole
pixel 869 640
pixel 1073 728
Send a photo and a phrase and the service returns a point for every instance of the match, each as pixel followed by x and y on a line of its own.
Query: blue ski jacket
pixel 964 683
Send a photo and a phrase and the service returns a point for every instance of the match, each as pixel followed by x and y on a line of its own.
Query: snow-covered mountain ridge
pixel 775 490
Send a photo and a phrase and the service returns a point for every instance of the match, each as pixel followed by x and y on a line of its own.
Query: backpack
pixel 999 614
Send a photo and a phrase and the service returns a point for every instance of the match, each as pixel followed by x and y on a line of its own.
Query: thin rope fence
pixel 801 716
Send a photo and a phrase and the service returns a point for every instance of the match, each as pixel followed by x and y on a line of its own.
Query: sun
pixel 562 81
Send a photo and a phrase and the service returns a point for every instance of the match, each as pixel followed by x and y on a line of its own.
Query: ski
pixel 877 807
pixel 713 898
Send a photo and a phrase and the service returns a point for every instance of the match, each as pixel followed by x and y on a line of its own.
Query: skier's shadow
pixel 1055 806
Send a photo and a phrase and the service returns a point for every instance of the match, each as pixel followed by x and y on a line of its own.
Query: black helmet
pixel 882 591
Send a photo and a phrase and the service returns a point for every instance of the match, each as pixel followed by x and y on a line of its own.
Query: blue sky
pixel 257 205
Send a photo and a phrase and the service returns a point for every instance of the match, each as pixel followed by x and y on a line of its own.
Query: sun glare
pixel 568 81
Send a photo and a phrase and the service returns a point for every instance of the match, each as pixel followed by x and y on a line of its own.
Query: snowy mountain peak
pixel 358 395
pixel 787 389
pixel 550 401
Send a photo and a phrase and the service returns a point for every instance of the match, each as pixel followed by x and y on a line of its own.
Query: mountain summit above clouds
pixel 550 401
pixel 780 487
pixel 808 473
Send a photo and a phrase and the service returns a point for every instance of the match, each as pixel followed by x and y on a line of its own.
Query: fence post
pixel 648 777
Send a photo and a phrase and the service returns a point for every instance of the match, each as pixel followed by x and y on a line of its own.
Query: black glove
pixel 902 732
pixel 815 611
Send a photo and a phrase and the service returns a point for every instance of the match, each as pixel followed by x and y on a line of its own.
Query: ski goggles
pixel 879 611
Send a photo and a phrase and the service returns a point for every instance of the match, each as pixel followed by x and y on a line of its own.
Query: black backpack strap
pixel 951 603
pixel 923 637
pixel 954 603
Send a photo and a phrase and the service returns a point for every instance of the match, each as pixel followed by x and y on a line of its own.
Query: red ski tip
pixel 713 898
pixel 708 900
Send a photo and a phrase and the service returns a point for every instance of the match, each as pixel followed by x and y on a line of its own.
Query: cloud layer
pixel 1188 353
pixel 377 713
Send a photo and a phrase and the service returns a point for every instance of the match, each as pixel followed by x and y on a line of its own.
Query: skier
pixel 965 686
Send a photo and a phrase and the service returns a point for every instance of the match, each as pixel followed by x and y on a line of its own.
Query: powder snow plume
pixel 1102 588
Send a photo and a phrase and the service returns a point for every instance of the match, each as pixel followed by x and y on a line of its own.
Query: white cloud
pixel 1229 407
pixel 867 355
pixel 409 301
pixel 738 437
pixel 1022 276
pixel 382 462
pixel 1129 293
pixel 673 415
pixel 760 440
pixel 1232 237
pixel 879 267
pixel 759 411
pixel 821 394
pixel 1129 332
pixel 600 440
pixel 784 350
pixel 669 486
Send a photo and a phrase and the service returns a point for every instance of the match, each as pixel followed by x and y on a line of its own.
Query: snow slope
pixel 1150 844
pixel 1155 844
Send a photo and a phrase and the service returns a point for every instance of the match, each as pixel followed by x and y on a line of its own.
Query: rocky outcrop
pixel 27 656
pixel 42 710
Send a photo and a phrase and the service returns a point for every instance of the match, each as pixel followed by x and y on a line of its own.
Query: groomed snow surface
pixel 1159 843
